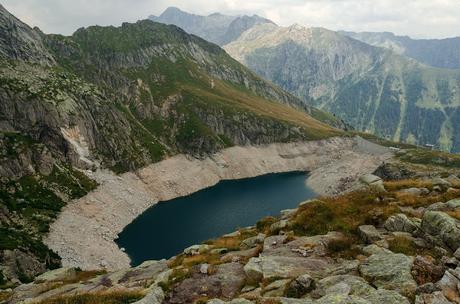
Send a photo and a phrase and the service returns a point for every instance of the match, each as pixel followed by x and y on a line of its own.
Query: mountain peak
pixel 20 42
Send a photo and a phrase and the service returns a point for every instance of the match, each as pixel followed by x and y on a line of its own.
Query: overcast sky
pixel 416 18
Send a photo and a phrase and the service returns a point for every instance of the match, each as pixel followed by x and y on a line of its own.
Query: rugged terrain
pixel 98 126
pixel 373 89
pixel 118 98
pixel 394 241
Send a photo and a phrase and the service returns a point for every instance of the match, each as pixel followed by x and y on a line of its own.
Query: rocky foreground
pixel 390 242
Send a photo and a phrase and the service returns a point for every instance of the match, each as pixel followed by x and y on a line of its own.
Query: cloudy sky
pixel 416 18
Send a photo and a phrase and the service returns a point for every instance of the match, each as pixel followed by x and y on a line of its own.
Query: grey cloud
pixel 417 18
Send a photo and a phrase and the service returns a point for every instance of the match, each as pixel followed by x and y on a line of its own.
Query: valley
pixel 225 159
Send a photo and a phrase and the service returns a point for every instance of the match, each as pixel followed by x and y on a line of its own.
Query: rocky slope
pixel 387 242
pixel 120 199
pixel 441 53
pixel 216 28
pixel 372 88
pixel 118 98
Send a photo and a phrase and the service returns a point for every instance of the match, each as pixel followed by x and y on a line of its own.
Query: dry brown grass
pixel 410 200
pixel 344 213
pixel 212 259
pixel 455 214
pixel 407 183
pixel 117 297
pixel 231 243
pixel 4 295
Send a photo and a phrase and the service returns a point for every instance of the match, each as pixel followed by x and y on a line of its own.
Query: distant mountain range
pixel 370 82
pixel 441 53
pixel 216 28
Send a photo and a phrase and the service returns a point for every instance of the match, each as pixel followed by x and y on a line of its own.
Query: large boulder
pixel 253 241
pixel 300 286
pixel 436 297
pixel 155 295
pixel 369 234
pixel 441 183
pixel 277 267
pixel 390 271
pixel 400 222
pixel 450 285
pixel 442 226
pixel 373 182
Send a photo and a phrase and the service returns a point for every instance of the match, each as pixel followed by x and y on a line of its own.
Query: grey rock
pixel 386 297
pixel 369 234
pixel 442 226
pixel 441 183
pixel 400 222
pixel 390 271
pixel 280 225
pixel 301 286
pixel 276 288
pixel 436 297
pixel 253 241
pixel 155 295
pixel 341 299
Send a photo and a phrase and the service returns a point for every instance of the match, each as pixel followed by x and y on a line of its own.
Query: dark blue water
pixel 169 227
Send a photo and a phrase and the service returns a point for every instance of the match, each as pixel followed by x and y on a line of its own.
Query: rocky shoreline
pixel 394 242
pixel 84 233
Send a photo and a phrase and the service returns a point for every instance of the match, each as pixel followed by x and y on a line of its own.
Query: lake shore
pixel 84 233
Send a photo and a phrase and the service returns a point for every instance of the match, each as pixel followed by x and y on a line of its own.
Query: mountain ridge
pixel 346 76
pixel 441 53
pixel 216 27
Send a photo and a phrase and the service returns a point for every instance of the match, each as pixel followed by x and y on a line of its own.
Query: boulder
pixel 282 300
pixel 369 234
pixel 253 241
pixel 400 222
pixel 425 270
pixel 436 297
pixel 225 282
pixel 373 181
pixel 416 191
pixel 253 270
pixel 276 288
pixel 338 284
pixel 390 271
pixel 341 299
pixel 386 297
pixel 301 286
pixel 373 249
pixel 450 284
pixel 453 180
pixel 441 225
pixel 277 267
pixel 196 249
pixel 442 183
pixel 277 226
pixel 155 295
